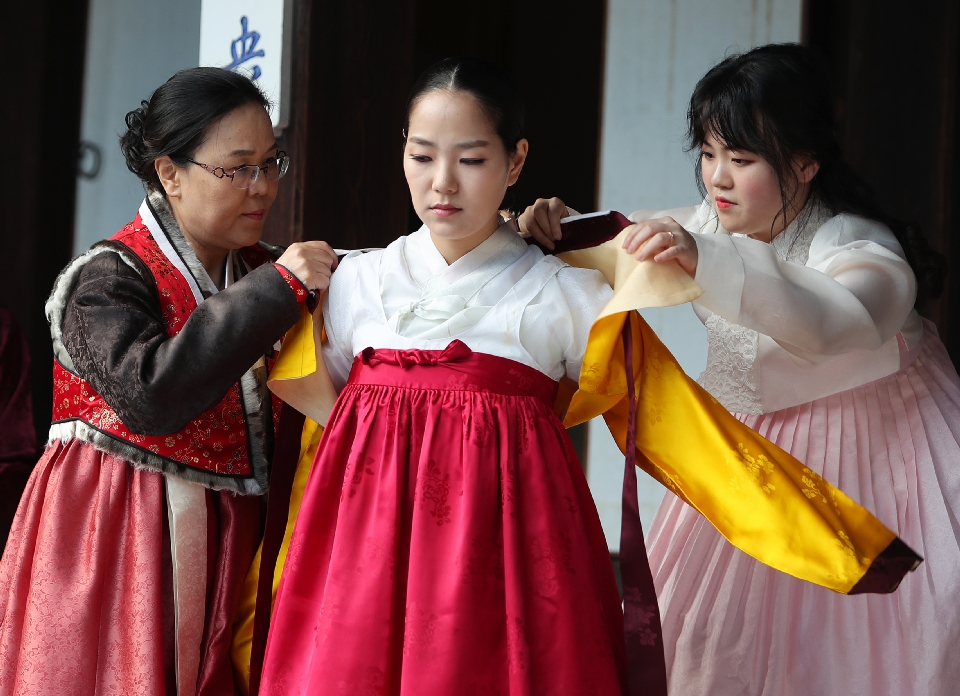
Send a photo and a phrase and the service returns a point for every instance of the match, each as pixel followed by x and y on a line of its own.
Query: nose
pixel 720 177
pixel 445 180
pixel 258 187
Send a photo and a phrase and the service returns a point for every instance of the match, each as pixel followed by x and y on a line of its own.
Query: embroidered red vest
pixel 215 441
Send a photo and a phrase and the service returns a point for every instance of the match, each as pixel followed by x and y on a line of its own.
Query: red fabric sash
pixel 467 371
pixel 216 440
pixel 646 665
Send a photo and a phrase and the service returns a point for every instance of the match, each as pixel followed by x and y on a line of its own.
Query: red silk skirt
pixel 447 542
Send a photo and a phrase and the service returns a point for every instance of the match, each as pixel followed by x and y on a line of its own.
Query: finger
pixel 557 211
pixel 540 228
pixel 654 245
pixel 638 237
pixel 628 241
pixel 667 254
pixel 542 238
pixel 542 216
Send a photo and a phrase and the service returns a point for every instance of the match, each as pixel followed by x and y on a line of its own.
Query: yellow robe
pixel 763 500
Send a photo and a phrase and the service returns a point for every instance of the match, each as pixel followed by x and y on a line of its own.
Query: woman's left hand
pixel 662 240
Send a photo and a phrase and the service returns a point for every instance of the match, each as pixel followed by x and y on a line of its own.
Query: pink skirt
pixel 86 602
pixel 733 626
pixel 447 543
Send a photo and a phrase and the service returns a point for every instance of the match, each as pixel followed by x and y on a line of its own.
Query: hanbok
pixel 814 343
pixel 447 542
pixel 128 550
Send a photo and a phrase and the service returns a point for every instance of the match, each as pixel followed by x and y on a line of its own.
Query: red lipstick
pixel 723 203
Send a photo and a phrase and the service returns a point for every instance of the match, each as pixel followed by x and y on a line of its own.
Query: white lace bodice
pixel 731 371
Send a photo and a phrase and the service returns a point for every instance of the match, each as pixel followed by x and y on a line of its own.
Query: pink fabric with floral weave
pixel 447 542
pixel 732 626
pixel 88 621
pixel 85 581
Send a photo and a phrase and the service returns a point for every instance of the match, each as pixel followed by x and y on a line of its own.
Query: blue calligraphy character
pixel 244 49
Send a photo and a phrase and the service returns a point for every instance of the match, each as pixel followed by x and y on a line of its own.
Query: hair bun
pixel 132 142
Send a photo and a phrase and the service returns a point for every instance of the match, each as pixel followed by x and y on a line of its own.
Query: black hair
pixel 174 121
pixel 493 89
pixel 775 101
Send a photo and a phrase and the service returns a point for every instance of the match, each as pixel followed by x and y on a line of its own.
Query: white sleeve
pixel 855 292
pixel 686 217
pixel 585 293
pixel 338 322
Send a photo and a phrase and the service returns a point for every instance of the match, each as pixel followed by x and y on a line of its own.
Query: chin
pixel 248 238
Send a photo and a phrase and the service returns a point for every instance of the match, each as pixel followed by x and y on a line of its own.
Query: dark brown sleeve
pixel 115 335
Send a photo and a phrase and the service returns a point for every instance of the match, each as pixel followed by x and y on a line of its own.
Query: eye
pixel 740 161
pixel 419 158
pixel 706 155
pixel 472 161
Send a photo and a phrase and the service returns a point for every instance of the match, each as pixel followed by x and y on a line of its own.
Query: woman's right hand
pixel 311 262
pixel 542 220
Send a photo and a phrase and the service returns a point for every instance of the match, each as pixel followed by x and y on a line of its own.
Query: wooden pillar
pixel 352 67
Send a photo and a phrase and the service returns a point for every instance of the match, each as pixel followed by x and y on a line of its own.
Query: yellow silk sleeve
pixel 246 608
pixel 763 500
pixel 299 376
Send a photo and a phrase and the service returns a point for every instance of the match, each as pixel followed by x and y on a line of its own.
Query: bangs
pixel 731 116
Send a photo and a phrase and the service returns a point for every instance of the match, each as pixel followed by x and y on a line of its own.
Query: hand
pixel 311 262
pixel 662 240
pixel 542 220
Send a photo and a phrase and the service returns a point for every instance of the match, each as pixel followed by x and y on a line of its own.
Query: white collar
pixel 433 263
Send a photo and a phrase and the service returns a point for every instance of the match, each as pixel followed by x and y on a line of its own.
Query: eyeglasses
pixel 245 175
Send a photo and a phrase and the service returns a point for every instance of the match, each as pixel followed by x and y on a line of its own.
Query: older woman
pixel 128 548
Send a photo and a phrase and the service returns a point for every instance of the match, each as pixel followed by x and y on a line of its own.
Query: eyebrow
pixel 462 146
pixel 247 153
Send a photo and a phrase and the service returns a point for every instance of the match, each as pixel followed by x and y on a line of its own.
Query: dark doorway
pixel 353 66
pixel 895 72
pixel 40 115
pixel 554 51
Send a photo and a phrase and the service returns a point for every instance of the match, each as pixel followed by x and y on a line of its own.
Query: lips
pixel 255 215
pixel 723 203
pixel 444 210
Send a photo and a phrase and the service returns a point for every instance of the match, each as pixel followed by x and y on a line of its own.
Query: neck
pixel 784 221
pixel 213 259
pixel 455 249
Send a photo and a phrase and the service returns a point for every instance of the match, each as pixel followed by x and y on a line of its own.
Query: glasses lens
pixel 244 176
pixel 283 164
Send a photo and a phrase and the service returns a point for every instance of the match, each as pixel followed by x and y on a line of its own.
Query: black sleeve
pixel 115 335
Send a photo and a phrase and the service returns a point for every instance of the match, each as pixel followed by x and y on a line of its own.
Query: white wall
pixel 656 51
pixel 133 46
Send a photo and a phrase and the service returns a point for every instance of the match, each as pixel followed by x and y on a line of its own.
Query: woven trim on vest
pixel 146 460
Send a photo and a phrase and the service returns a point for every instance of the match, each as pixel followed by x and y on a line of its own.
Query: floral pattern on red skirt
pixel 447 542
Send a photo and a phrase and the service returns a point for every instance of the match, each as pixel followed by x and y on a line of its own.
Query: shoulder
pixel 582 289
pixel 850 231
pixel 350 265
pixel 111 262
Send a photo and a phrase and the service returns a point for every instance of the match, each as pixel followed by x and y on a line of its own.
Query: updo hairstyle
pixel 775 101
pixel 496 94
pixel 174 121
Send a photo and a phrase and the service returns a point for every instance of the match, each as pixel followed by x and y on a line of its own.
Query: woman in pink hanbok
pixel 814 342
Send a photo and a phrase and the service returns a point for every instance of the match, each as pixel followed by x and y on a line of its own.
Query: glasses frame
pixel 255 169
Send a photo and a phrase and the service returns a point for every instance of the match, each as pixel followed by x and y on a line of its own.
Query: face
pixel 457 168
pixel 744 189
pixel 214 216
